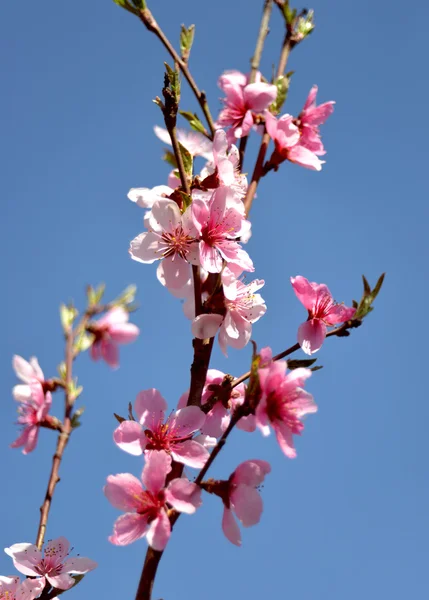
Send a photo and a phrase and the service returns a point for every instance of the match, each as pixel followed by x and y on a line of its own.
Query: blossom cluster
pixel 51 570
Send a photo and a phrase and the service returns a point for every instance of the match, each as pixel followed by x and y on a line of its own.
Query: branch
pixel 256 59
pixel 258 171
pixel 63 438
pixel 148 20
pixel 341 331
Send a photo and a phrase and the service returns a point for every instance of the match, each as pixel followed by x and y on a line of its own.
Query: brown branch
pixel 256 60
pixel 148 20
pixel 63 438
pixel 258 171
pixel 340 331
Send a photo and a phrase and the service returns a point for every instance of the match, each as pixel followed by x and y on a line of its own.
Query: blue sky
pixel 348 518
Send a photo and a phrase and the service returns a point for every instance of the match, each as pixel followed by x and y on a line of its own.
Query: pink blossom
pixel 196 143
pixel 53 568
pixel 222 170
pixel 219 224
pixel 243 307
pixel 283 403
pixel 146 197
pixel 286 137
pixel 32 412
pixel 243 498
pixel 109 331
pixel 323 311
pixel 152 432
pixel 309 120
pixel 219 417
pixel 243 100
pixel 146 507
pixel 28 372
pixel 171 238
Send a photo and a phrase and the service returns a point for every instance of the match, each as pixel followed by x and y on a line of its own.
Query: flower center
pixel 150 504
pixel 177 242
pixel 279 409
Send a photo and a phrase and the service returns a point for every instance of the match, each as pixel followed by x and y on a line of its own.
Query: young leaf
pixel 187 160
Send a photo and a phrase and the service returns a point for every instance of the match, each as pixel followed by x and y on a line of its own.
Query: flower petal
pixel 187 420
pixel 156 469
pixel 206 326
pixel 247 504
pixel 61 582
pixel 25 558
pixel 183 495
pixel 159 532
pixel 190 453
pixel 311 335
pixel 79 565
pixel 128 528
pixel 129 437
pixel 123 491
pixel 150 407
pixel 230 527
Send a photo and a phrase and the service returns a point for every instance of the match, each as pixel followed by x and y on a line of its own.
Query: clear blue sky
pixel 349 517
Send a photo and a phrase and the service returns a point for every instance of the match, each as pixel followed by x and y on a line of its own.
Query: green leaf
pixel 127 297
pixel 62 370
pixel 125 4
pixel 187 160
pixel 75 421
pixel 186 200
pixel 366 286
pixel 193 121
pixel 82 342
pixel 300 363
pixel 95 295
pixel 305 25
pixel 74 390
pixel 67 314
pixel 378 285
pixel 186 40
pixel 174 80
pixel 282 85
pixel 170 158
pixel 289 13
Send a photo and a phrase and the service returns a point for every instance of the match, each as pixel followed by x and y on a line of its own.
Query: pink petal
pixel 304 404
pixel 159 532
pixel 62 582
pixel 24 371
pixel 259 96
pixel 157 467
pixel 311 99
pixel 124 334
pixel 145 197
pixel 32 437
pixel 183 495
pixel 284 438
pixel 217 420
pixel 305 158
pixel 305 291
pixel 210 259
pixel 176 271
pixel 187 420
pixel 190 453
pixel 150 407
pixel 25 558
pixel 247 504
pixel 200 214
pixel 271 125
pixel 145 247
pixel 318 114
pixel 339 314
pixel 311 335
pixel 79 565
pixel 123 491
pixel 57 549
pixel 247 423
pixel 21 392
pixel 206 326
pixel 128 528
pixel 110 353
pixel 251 472
pixel 129 437
pixel 167 214
pixel 230 527
pixel 30 588
pixel 115 316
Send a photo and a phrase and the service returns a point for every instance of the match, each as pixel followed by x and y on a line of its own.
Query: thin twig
pixel 63 438
pixel 258 171
pixel 338 331
pixel 256 60
pixel 148 20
